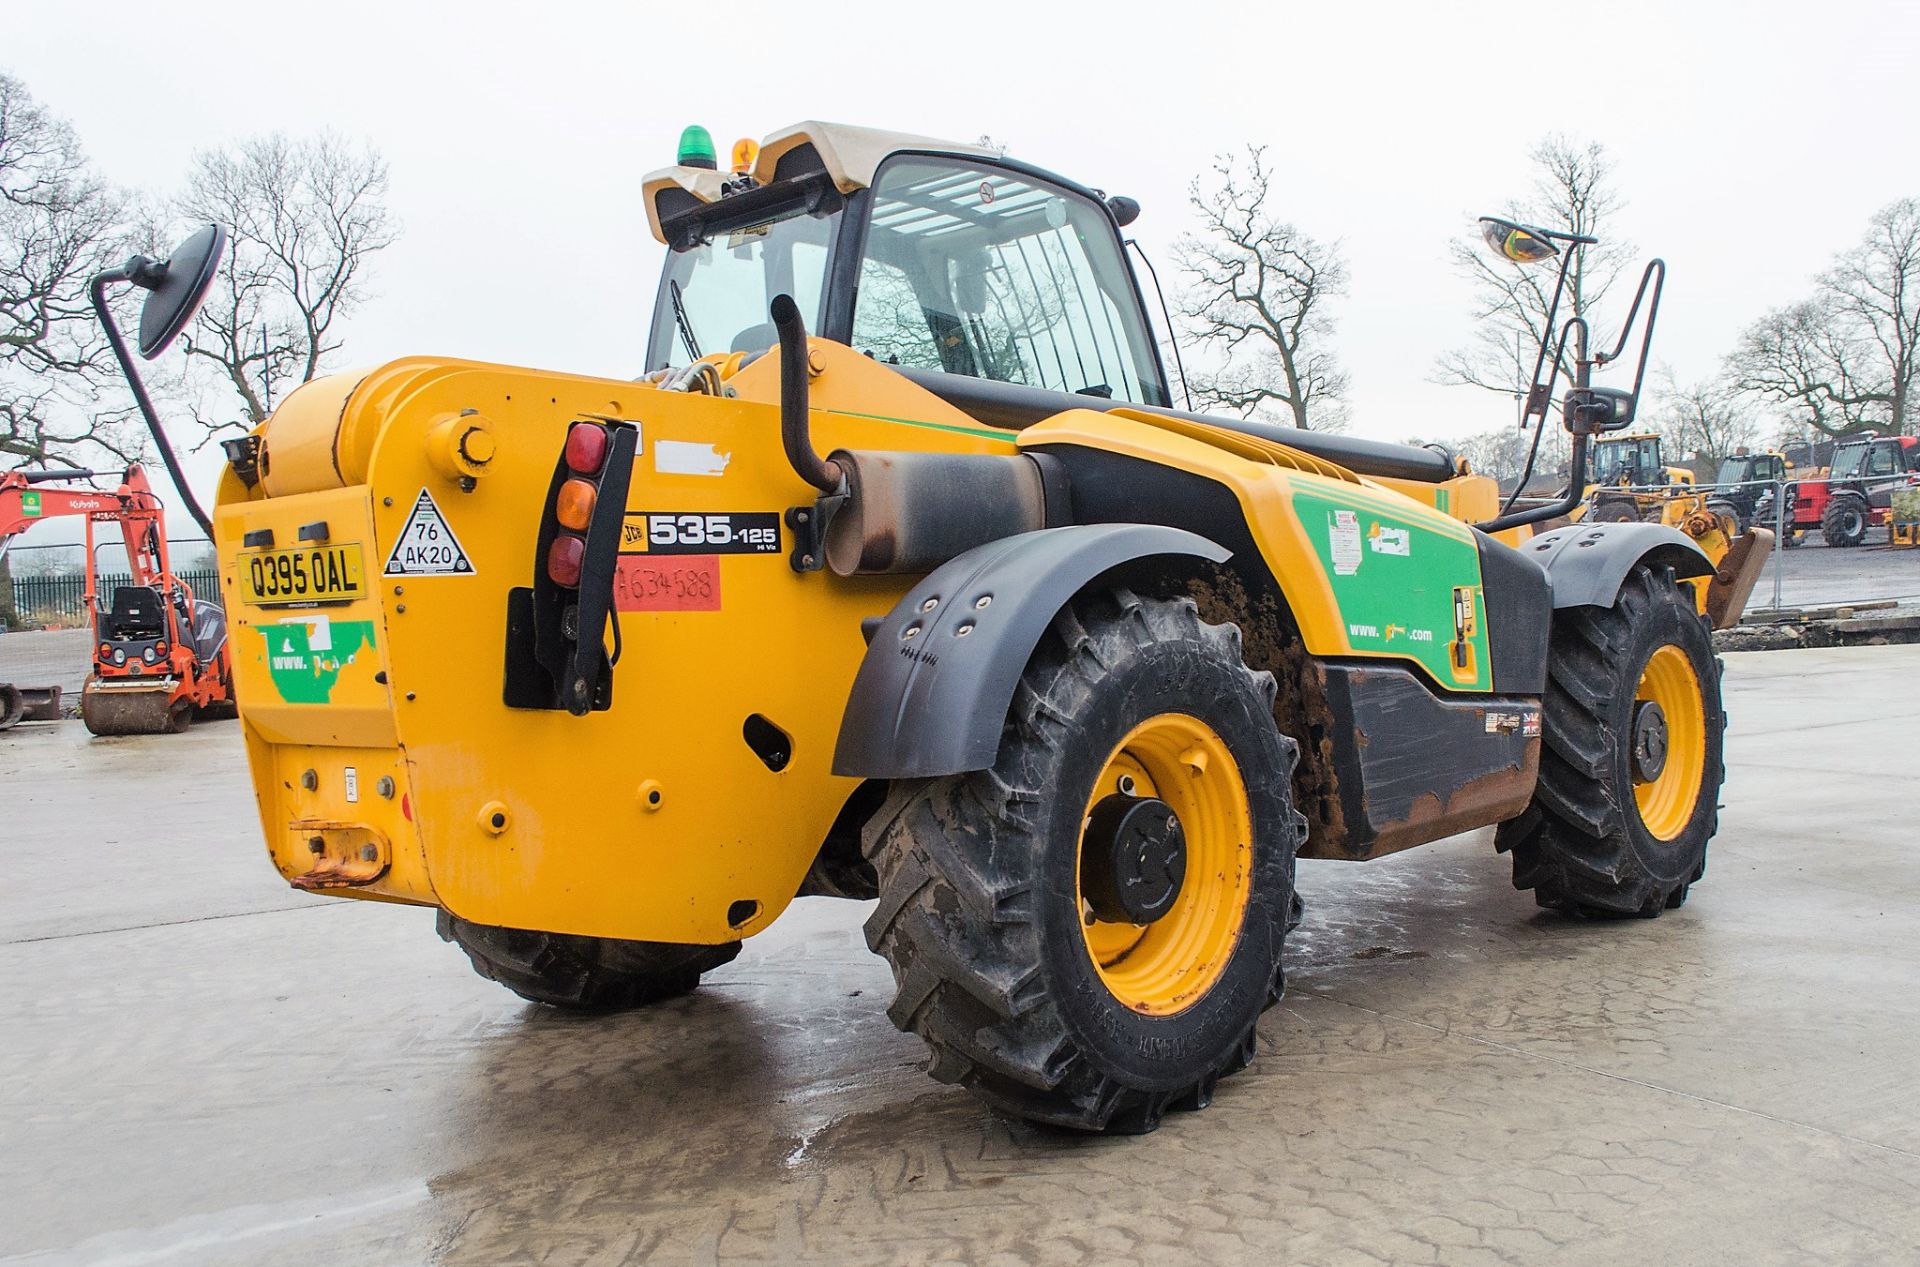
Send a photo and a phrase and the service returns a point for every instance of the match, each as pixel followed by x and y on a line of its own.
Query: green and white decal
pixel 1394 577
pixel 305 655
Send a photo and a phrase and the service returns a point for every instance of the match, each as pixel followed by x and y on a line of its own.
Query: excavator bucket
pixel 141 710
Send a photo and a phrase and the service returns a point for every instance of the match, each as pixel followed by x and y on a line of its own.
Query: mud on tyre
pixel 1631 763
pixel 582 974
pixel 1017 960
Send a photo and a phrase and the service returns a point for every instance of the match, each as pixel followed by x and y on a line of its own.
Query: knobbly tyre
pixel 943 605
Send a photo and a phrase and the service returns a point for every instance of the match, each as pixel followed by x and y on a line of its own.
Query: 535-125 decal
pixel 674 532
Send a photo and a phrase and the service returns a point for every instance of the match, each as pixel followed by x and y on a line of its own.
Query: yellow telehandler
pixel 900 577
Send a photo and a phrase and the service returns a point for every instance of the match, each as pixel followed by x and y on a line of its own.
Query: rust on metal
pixel 345 855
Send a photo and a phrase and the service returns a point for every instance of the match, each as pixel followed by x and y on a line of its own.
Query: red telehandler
pixel 160 653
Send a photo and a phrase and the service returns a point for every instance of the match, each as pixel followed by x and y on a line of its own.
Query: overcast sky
pixel 1750 140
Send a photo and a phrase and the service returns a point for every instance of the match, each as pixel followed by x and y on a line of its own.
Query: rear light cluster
pixel 586 454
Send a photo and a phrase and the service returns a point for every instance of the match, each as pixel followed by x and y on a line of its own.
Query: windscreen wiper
pixel 680 320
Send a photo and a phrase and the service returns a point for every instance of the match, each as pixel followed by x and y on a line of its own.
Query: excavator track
pixel 138 711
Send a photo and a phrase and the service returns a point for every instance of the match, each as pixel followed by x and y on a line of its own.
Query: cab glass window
pixel 714 296
pixel 981 271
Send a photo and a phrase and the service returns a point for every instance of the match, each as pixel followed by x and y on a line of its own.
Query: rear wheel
pixel 1844 521
pixel 1086 933
pixel 582 974
pixel 1631 765
pixel 1617 511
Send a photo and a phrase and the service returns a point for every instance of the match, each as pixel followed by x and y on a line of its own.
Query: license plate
pixel 303 578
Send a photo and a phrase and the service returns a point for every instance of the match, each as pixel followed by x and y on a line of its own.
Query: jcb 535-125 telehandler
pixel 942 604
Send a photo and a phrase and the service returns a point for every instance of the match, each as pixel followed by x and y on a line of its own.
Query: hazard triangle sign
pixel 427 546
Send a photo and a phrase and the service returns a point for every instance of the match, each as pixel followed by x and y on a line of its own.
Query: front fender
pixel 938 677
pixel 1586 562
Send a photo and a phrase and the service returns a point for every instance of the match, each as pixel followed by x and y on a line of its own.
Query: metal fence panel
pixel 61 600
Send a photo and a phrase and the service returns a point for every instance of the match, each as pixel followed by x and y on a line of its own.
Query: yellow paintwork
pixel 1666 803
pixel 1263 477
pixel 583 852
pixel 1167 966
pixel 583 846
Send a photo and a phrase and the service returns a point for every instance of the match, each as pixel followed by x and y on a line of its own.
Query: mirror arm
pixel 1656 274
pixel 1553 310
pixel 133 271
pixel 1576 493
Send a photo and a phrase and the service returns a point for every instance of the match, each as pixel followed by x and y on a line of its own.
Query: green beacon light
pixel 696 149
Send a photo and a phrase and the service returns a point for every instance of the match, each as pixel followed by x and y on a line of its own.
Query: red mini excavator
pixel 160 653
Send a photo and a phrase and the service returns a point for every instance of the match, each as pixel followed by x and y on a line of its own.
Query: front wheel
pixel 1086 933
pixel 1730 511
pixel 1844 521
pixel 1631 763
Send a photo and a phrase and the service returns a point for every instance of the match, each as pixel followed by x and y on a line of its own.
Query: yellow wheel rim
pixel 1666 801
pixel 1164 967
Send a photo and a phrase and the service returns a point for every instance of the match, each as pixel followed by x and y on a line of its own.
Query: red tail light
pixel 564 557
pixel 574 507
pixel 586 447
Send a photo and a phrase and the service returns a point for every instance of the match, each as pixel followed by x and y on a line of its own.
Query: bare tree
pixel 1573 191
pixel 1257 296
pixel 306 217
pixel 59 225
pixel 1500 454
pixel 1849 357
pixel 1707 418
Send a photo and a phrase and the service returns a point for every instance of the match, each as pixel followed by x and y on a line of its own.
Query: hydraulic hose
pixel 795 431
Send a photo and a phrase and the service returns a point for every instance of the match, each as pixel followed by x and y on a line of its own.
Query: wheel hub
pixel 1133 859
pixel 1649 741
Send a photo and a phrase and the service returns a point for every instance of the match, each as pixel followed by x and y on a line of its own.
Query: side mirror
pixel 176 287
pixel 1591 410
pixel 1517 242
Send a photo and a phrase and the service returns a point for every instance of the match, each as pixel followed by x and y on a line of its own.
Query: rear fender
pixel 1587 562
pixel 939 674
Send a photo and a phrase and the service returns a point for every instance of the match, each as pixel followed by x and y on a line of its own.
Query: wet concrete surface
pixel 1812 574
pixel 200 1066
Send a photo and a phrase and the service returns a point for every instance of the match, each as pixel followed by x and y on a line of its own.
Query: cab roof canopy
pixel 846 156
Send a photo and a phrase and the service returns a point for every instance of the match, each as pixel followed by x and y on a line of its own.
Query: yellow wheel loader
pixel 1629 482
pixel 900 577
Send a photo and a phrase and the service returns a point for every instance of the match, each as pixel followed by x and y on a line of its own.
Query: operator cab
pixel 1629 460
pixel 952 263
pixel 998 287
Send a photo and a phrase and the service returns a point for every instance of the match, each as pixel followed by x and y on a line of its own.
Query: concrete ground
pixel 1813 575
pixel 203 1067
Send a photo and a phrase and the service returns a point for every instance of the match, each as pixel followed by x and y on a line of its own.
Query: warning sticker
pixel 427 546
pixel 1343 535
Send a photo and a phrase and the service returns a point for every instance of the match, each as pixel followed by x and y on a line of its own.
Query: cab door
pixel 999 272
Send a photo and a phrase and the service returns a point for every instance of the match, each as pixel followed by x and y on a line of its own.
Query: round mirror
pixel 177 287
pixel 1516 242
